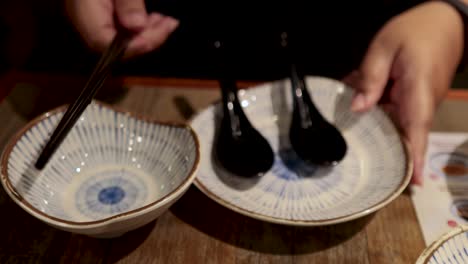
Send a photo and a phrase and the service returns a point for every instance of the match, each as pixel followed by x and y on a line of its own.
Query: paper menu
pixel 443 199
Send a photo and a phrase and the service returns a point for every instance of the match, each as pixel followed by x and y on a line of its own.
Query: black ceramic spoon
pixel 240 148
pixel 312 137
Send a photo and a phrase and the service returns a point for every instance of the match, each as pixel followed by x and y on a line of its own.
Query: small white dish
pixel 375 171
pixel 113 173
pixel 450 248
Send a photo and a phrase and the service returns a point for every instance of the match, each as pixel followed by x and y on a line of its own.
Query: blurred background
pixel 35 36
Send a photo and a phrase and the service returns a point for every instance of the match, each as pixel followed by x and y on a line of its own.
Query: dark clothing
pixel 329 37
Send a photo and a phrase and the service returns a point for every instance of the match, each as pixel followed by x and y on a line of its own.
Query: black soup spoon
pixel 312 137
pixel 240 148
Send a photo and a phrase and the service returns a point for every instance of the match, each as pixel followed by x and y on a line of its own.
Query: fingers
pixel 152 30
pixel 415 115
pixel 157 31
pixel 93 20
pixel 417 135
pixel 131 14
pixel 371 78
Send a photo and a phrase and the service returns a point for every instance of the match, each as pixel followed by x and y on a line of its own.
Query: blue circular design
pixel 110 192
pixel 288 166
pixel 111 195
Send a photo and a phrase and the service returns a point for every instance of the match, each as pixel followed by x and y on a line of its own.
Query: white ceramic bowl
pixel 375 170
pixel 450 248
pixel 113 173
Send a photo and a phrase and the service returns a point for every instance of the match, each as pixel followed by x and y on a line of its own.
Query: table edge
pixel 9 79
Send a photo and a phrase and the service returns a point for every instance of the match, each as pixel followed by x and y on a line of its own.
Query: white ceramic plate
pixel 451 248
pixel 375 170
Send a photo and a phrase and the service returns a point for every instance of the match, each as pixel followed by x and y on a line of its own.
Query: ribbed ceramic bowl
pixel 450 248
pixel 376 169
pixel 113 173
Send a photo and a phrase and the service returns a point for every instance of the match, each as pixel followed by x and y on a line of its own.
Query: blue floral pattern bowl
pixel 450 248
pixel 114 171
pixel 376 169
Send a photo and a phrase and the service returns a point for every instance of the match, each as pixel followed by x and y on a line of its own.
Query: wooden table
pixel 196 229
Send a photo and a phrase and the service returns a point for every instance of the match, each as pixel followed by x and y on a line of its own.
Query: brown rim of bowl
pixel 401 187
pixel 429 251
pixel 20 200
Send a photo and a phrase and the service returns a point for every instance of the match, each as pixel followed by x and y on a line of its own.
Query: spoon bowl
pixel 312 137
pixel 240 148
pixel 322 144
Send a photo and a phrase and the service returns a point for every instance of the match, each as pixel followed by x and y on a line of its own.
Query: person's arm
pixel 461 6
pixel 417 53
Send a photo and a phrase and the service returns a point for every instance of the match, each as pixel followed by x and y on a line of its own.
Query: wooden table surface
pixel 196 229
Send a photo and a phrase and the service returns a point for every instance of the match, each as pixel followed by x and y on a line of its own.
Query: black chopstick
pixel 103 68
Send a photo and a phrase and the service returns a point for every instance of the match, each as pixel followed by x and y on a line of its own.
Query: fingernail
pixel 359 102
pixel 416 181
pixel 155 18
pixel 136 19
pixel 418 172
pixel 173 24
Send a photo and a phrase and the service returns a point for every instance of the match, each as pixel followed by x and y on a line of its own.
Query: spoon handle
pixel 232 110
pixel 302 102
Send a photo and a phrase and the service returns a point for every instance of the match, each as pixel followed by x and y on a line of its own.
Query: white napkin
pixel 445 188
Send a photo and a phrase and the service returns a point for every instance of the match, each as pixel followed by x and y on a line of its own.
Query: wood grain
pixel 394 235
pixel 197 229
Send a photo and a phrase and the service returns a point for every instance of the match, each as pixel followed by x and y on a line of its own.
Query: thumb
pixel 373 74
pixel 131 14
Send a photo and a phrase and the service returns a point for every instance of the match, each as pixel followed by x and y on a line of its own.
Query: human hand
pixel 97 22
pixel 417 53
